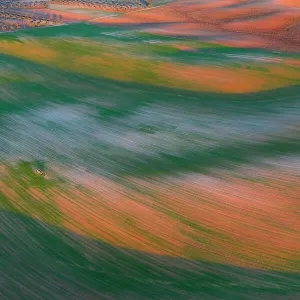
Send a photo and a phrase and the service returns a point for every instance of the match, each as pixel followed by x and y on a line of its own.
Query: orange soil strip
pixel 184 48
pixel 141 17
pixel 226 80
pixel 226 15
pixel 292 62
pixel 245 42
pixel 216 17
pixel 219 219
pixel 289 3
pixel 31 50
pixel 261 221
pixel 174 12
pixel 273 23
pixel 7 191
pixel 198 78
pixel 37 195
pixel 186 12
pixel 202 78
pixel 122 222
pixel 229 221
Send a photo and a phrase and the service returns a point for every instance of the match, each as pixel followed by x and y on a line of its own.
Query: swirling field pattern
pixel 168 136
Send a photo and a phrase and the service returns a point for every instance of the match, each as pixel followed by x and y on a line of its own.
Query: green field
pixel 94 100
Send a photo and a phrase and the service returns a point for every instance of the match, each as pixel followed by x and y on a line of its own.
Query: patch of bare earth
pixel 221 219
pixel 273 22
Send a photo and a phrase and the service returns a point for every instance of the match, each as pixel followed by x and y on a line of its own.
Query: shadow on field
pixel 40 261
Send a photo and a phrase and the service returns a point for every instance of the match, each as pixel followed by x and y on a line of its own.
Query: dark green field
pixel 94 106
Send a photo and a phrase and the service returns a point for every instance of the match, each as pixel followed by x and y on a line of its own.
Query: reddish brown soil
pixel 251 222
pixel 290 3
pixel 272 24
pixel 277 22
pixel 221 220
